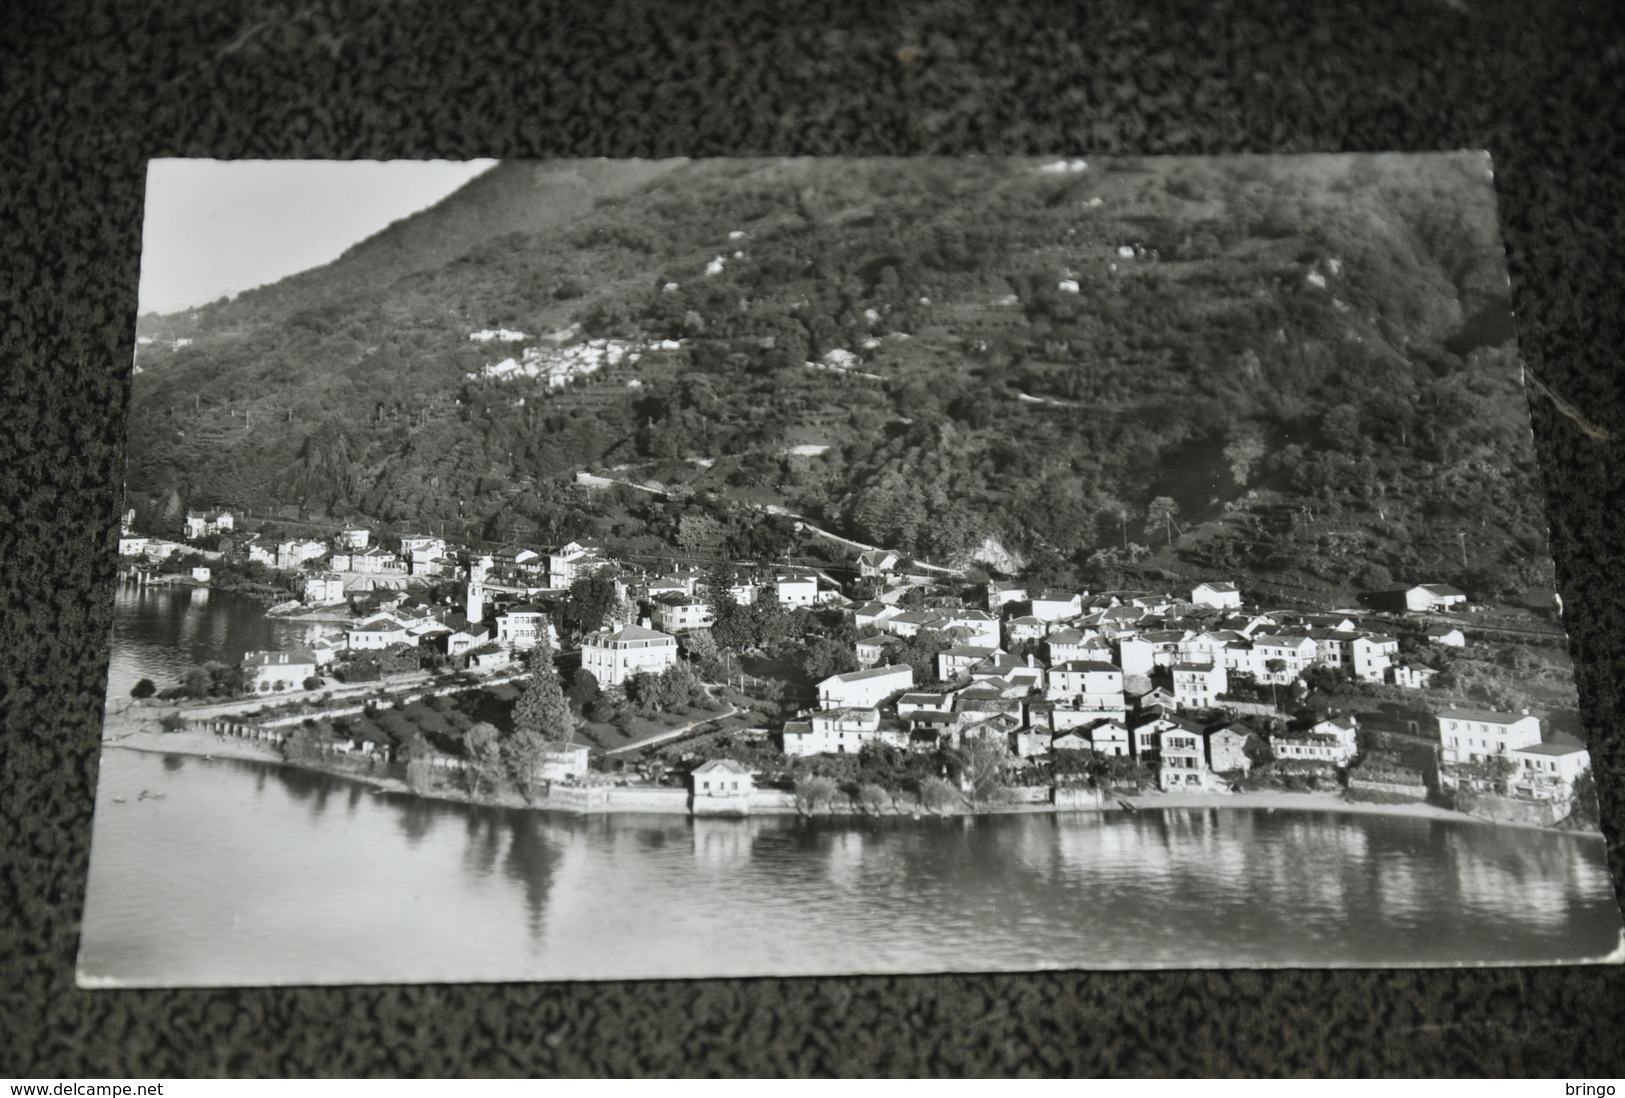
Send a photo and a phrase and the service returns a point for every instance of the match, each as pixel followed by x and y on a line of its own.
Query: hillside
pixel 1309 357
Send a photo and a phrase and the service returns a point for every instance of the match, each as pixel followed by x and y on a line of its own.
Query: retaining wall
pixel 1514 810
pixel 1079 797
pixel 1420 792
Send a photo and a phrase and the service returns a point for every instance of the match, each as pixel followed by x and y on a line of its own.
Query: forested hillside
pixel 1301 365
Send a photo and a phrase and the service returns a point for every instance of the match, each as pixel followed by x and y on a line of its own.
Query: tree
pixel 196 682
pixel 1585 808
pixel 311 682
pixel 872 798
pixel 542 710
pixel 522 755
pixel 827 656
pixel 981 765
pixel 1243 453
pixel 814 792
pixel 937 794
pixel 589 602
pixel 143 689
pixel 483 749
pixel 584 688
pixel 697 531
pixel 1161 512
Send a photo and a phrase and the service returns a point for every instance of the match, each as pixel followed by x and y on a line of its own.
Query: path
pixel 803 524
pixel 673 733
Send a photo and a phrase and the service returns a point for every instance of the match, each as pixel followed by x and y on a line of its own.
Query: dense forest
pixel 1301 366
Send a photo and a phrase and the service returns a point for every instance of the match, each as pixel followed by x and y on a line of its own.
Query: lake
pixel 230 872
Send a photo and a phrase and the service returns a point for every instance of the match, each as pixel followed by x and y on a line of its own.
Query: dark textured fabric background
pixel 91 88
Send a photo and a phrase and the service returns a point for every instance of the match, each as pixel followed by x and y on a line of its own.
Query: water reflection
pixel 287 892
pixel 531 862
pixel 723 844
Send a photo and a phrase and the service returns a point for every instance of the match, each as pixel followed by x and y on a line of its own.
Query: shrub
pixel 872 798
pixel 938 794
pixel 814 793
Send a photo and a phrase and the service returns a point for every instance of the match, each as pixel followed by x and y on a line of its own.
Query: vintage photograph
pixel 583 570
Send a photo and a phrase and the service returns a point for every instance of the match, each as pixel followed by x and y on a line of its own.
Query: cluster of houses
pixel 1030 711
pixel 1147 677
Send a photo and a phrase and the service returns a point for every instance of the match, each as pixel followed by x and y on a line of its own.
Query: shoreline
pixel 208 745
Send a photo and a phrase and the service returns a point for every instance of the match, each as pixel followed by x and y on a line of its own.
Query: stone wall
pixel 1418 791
pixel 1078 797
pixel 1513 810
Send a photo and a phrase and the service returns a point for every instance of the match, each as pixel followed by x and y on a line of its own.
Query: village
pixel 984 697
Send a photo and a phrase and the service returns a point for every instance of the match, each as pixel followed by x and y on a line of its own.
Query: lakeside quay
pixel 125 730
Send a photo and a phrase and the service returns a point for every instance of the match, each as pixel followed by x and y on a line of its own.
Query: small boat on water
pixel 1126 804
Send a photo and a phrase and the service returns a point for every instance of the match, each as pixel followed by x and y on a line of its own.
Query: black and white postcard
pixel 622 569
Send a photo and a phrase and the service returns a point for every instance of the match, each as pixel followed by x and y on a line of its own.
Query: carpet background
pixel 91 88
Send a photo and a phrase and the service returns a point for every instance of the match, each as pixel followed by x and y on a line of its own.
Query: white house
pixel 326 649
pixel 358 537
pixel 264 672
pixel 1305 747
pixel 615 655
pixel 835 731
pixel 562 762
pixel 678 613
pixel 294 552
pixel 379 631
pixel 1088 686
pixel 1109 738
pixel 522 626
pixel 1003 592
pixel 1434 596
pixel 1371 655
pixel 1546 771
pixel 202 524
pixel 571 561
pixel 873 613
pixel 980 627
pixel 1294 652
pixel 1450 636
pixel 375 561
pixel 722 780
pixel 1473 735
pixel 323 589
pixel 877 563
pixel 796 590
pixel 1056 606
pixel 1222 596
pixel 1198 685
pixel 952 663
pixel 1343 729
pixel 1182 760
pixel 1412 674
pixel 865 688
pixel 130 546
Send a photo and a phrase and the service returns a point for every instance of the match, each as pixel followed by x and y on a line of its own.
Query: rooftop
pixel 1552 749
pixel 872 673
pixel 1483 716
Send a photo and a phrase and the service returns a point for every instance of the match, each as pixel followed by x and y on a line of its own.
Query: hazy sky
pixel 218 227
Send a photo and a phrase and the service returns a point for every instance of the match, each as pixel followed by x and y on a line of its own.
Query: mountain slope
pixel 1033 353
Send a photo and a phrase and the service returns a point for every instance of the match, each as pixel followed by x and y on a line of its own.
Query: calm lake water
pixel 246 873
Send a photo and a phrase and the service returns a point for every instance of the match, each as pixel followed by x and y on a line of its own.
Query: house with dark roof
pixel 1217 594
pixel 1434 596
